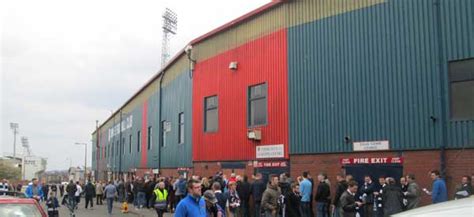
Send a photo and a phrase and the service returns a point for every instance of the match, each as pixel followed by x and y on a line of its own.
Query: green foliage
pixel 9 172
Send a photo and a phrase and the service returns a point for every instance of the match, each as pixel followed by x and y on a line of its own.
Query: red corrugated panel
pixel 262 60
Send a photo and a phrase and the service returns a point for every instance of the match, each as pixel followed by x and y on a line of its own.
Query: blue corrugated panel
pixel 177 98
pixel 372 74
pixel 458 43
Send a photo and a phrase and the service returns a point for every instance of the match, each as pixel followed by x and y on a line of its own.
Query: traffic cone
pixel 124 207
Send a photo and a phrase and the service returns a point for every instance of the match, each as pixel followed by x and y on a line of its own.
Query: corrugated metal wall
pixel 457 22
pixel 371 74
pixel 262 60
pixel 177 99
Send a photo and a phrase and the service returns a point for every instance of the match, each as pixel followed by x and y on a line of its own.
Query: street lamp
pixel 85 158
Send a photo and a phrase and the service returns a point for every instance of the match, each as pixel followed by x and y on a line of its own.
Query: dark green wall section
pixel 177 98
pixel 374 74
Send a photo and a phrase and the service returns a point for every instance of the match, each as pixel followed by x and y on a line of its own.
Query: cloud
pixel 66 64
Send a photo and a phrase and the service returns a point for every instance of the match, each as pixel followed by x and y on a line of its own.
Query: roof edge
pixel 199 39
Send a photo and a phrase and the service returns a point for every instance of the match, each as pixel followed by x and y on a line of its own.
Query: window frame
pixel 451 81
pixel 150 140
pixel 181 131
pixel 206 109
pixel 130 144
pixel 138 141
pixel 163 134
pixel 249 104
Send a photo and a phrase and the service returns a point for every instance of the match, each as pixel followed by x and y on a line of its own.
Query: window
pixel 211 118
pixel 164 127
pixel 117 148
pixel 130 144
pixel 257 105
pixel 461 78
pixel 149 138
pixel 122 146
pixel 138 141
pixel 181 128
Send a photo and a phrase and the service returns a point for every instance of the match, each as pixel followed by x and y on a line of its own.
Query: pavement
pixel 101 210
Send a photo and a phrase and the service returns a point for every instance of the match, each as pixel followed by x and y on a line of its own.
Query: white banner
pixel 371 146
pixel 270 151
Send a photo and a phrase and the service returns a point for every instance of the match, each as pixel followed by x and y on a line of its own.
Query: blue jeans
pixel 321 209
pixel 305 209
pixel 110 205
pixel 141 199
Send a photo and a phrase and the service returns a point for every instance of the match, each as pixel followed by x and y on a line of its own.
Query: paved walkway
pixel 101 210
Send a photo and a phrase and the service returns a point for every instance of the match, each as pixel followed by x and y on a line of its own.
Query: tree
pixel 8 171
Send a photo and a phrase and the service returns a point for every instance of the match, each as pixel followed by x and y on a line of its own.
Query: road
pixel 101 210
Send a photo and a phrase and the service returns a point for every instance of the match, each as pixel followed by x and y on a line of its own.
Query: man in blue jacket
pixel 192 205
pixel 439 193
pixel 34 190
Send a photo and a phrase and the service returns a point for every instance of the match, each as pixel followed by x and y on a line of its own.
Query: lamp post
pixel 85 158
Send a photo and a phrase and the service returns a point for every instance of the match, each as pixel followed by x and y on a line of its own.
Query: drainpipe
pixel 442 89
pixel 160 102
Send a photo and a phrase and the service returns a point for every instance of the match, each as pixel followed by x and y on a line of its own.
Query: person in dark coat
pixel 256 190
pixel 322 197
pixel 293 201
pixel 221 197
pixel 465 190
pixel 340 189
pixel 392 198
pixel 366 192
pixel 89 192
pixel 348 202
pixel 243 190
pixel 61 190
pixel 378 200
pixel 45 189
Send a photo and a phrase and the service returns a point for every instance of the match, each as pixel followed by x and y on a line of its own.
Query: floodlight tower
pixel 26 152
pixel 14 127
pixel 170 25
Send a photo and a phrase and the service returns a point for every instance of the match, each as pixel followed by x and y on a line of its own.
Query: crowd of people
pixel 219 195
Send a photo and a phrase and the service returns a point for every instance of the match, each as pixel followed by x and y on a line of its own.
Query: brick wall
pixel 459 162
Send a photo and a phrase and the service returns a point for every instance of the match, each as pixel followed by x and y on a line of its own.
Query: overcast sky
pixel 65 64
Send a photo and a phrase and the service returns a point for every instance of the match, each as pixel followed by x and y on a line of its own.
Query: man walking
pixel 256 190
pixel 305 191
pixel 99 191
pixel 110 191
pixel 89 194
pixel 439 193
pixel 193 205
pixel 270 198
pixel 243 190
pixel 323 194
pixel 71 190
pixel 413 193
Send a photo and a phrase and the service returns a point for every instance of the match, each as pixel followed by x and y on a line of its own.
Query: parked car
pixel 20 207
pixel 458 208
